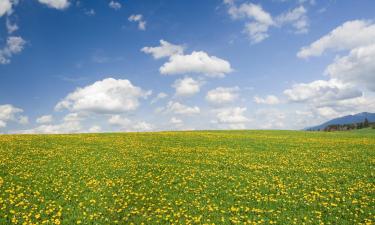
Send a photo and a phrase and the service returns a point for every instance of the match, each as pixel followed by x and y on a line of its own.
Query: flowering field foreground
pixel 203 177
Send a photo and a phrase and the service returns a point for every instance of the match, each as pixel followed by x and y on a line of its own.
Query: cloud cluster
pixel 222 95
pixel 259 21
pixel 233 117
pixel 350 76
pixel 179 108
pixel 44 119
pixel 198 62
pixel 56 4
pixel 138 18
pixel 268 100
pixel 5 7
pixel 10 113
pixel 187 86
pixel 350 35
pixel 115 5
pixel 165 49
pixel 14 45
pixel 296 17
pixel 126 124
pixel 108 96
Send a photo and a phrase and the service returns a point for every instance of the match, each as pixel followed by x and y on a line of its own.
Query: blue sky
pixel 97 66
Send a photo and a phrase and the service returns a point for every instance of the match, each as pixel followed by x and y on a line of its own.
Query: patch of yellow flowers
pixel 206 177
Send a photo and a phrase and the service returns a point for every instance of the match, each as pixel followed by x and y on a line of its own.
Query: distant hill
pixel 356 118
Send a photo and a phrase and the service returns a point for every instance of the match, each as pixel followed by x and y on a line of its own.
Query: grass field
pixel 203 177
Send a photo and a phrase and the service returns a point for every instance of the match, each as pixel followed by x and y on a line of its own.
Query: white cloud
pixel 165 49
pixel 118 120
pixel 271 118
pixel 261 20
pixel 222 95
pixel 11 27
pixel 268 100
pixel 321 91
pixel 44 119
pixel 187 86
pixel 90 12
pixel 139 19
pixel 62 128
pixel 126 124
pixel 178 108
pixel 327 112
pixel 5 7
pixel 57 4
pixel 232 117
pixel 10 113
pixel 250 10
pixel 108 96
pixel 176 121
pixel 142 126
pixel 160 96
pixel 70 117
pixel 196 62
pixel 296 17
pixel 95 129
pixel 351 34
pixel 115 5
pixel 23 120
pixel 14 45
pixel 349 76
pixel 356 68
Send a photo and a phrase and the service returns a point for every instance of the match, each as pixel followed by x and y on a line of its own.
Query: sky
pixel 71 66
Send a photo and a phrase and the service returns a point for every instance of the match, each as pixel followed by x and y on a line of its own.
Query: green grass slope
pixel 202 177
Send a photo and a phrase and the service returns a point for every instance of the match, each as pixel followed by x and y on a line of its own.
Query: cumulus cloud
pixel 268 100
pixel 233 117
pixel 349 76
pixel 179 63
pixel 197 62
pixel 165 49
pixel 14 45
pixel 321 91
pixel 222 95
pixel 138 18
pixel 179 108
pixel 56 4
pixel 10 113
pixel 5 7
pixel 115 5
pixel 351 34
pixel 108 96
pixel 44 119
pixel 187 86
pixel 356 68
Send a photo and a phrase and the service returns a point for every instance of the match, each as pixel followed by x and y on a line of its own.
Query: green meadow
pixel 198 177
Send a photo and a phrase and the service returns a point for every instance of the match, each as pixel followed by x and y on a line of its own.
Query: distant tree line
pixel 351 126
